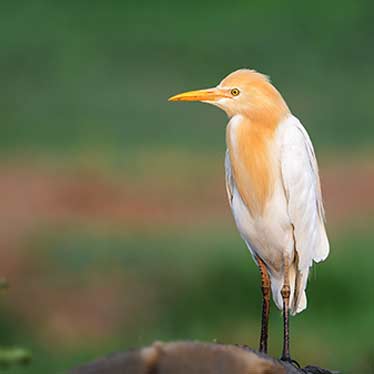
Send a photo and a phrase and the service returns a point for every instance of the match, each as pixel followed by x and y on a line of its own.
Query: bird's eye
pixel 235 92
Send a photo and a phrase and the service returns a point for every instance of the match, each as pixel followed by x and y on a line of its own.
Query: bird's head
pixel 245 92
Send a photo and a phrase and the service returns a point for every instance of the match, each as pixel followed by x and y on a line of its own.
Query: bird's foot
pixel 290 361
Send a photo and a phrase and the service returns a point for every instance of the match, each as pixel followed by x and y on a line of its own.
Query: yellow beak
pixel 210 94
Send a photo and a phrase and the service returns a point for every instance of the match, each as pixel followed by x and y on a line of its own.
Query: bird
pixel 273 188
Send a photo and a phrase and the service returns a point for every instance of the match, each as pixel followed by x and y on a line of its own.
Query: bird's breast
pixel 253 162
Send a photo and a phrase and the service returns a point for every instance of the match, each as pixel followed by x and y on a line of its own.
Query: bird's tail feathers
pixel 322 250
pixel 298 281
pixel 299 301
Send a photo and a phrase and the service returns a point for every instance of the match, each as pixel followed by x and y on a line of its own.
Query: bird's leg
pixel 265 288
pixel 285 292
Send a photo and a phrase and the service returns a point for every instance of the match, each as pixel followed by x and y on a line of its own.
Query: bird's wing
pixel 229 181
pixel 303 191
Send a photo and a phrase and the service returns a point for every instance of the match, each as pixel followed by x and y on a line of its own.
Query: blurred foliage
pixel 78 75
pixel 197 286
pixel 4 285
pixel 12 356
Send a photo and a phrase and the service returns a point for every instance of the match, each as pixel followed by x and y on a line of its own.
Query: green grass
pixel 200 286
pixel 81 77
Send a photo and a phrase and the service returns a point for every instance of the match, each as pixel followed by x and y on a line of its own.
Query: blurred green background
pixel 114 226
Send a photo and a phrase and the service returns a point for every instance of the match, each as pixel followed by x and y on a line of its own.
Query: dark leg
pixel 265 287
pixel 285 292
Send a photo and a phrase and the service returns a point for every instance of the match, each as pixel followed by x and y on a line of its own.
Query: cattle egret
pixel 273 188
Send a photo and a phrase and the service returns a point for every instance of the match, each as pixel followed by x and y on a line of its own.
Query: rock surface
pixel 193 358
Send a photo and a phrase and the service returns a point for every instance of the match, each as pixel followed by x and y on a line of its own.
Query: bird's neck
pixel 249 143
